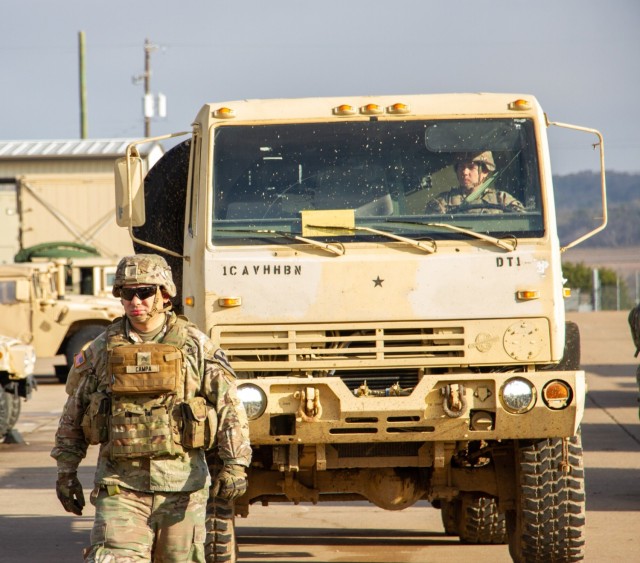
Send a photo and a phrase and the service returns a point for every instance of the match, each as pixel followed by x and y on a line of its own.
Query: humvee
pixel 35 309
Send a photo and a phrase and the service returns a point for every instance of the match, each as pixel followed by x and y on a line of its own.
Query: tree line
pixel 578 205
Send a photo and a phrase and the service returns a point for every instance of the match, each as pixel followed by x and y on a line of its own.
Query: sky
pixel 578 57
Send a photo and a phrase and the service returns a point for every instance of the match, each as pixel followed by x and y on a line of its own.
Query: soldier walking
pixel 159 399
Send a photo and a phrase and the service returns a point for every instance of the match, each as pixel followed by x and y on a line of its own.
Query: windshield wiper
pixel 509 243
pixel 337 248
pixel 431 247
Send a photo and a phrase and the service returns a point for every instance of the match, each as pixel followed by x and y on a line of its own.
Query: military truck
pixel 35 309
pixel 384 352
pixel 17 361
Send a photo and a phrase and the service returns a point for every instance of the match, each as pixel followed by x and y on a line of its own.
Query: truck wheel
pixel 74 345
pixel 475 519
pixel 548 522
pixel 5 413
pixel 449 512
pixel 220 544
pixel 15 406
pixel 480 521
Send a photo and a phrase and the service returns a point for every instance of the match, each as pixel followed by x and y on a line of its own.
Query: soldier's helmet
pixel 484 158
pixel 149 269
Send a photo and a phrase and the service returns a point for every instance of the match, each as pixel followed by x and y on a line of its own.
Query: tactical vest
pixel 148 415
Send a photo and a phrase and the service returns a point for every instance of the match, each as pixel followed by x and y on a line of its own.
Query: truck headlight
pixel 518 395
pixel 253 399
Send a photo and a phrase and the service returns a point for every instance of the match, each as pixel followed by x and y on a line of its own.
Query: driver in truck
pixel 474 194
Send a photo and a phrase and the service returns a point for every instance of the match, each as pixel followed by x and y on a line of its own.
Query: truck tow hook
pixel 309 409
pixel 454 403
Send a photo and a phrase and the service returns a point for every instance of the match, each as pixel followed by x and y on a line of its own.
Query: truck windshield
pixel 397 176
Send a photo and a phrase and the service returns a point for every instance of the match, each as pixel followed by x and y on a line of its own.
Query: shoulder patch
pixel 79 359
pixel 222 359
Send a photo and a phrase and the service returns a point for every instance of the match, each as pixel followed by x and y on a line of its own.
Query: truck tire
pixel 74 345
pixel 480 521
pixel 15 406
pixel 5 413
pixel 220 543
pixel 475 519
pixel 449 511
pixel 548 522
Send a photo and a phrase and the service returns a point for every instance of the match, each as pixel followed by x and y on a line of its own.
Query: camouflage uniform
pixel 153 502
pixel 491 201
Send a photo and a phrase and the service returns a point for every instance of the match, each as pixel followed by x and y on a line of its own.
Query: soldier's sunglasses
pixel 142 292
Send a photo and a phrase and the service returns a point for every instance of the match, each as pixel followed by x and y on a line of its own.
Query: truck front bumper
pixel 441 408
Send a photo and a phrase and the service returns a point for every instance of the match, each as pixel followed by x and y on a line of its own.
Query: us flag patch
pixel 79 360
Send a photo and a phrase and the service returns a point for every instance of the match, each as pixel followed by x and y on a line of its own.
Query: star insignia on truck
pixel 377 282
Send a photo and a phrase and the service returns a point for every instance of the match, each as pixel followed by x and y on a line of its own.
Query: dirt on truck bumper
pixel 444 407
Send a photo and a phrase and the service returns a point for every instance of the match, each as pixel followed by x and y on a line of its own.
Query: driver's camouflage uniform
pixel 491 201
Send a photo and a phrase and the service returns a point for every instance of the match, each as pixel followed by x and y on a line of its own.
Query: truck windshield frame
pixel 385 170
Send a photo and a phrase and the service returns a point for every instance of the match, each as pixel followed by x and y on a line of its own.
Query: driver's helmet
pixel 149 269
pixel 484 158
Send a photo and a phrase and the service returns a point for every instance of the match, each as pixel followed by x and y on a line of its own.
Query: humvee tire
pixel 548 523
pixel 15 406
pixel 5 413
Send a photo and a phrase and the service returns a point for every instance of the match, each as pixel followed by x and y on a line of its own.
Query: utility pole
pixel 149 102
pixel 83 88
pixel 148 48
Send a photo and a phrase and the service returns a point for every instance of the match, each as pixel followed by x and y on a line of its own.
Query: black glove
pixel 69 491
pixel 230 483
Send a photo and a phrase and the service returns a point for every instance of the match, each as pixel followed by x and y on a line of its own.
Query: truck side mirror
pixel 129 190
pixel 23 290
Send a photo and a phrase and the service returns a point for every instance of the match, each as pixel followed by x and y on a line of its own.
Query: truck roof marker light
pixel 224 113
pixel 557 395
pixel 230 301
pixel 371 109
pixel 528 294
pixel 398 108
pixel 519 105
pixel 189 301
pixel 344 109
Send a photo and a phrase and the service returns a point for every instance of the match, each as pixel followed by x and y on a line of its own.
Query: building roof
pixel 70 148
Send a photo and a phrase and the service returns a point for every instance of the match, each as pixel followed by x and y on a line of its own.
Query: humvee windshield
pixel 386 171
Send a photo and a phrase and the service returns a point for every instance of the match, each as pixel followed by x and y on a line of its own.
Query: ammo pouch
pixel 96 418
pixel 199 424
pixel 149 369
pixel 139 430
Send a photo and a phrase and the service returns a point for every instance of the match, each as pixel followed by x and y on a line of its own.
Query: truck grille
pixel 341 346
